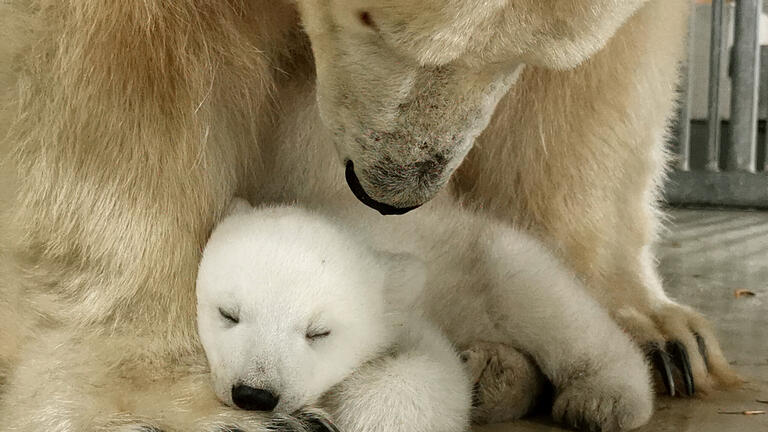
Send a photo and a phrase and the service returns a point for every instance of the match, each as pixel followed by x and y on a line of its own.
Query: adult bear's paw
pixel 598 404
pixel 681 346
pixel 507 382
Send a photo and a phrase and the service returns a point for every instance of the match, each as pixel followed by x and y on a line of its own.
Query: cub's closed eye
pixel 229 316
pixel 317 334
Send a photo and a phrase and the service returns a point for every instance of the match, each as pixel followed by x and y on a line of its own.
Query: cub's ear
pixel 406 277
pixel 238 206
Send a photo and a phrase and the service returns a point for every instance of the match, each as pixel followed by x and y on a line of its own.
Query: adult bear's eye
pixel 315 334
pixel 230 317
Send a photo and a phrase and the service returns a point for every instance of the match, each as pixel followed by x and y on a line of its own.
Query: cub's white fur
pixel 286 272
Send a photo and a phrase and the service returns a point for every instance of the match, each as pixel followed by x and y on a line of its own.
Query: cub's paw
pixel 507 382
pixel 681 346
pixel 588 403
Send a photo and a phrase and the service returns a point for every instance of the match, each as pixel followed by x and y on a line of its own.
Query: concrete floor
pixel 705 256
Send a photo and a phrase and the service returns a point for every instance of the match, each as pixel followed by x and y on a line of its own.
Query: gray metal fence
pixel 722 161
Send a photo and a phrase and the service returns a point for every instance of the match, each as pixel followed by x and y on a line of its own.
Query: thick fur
pixel 134 123
pixel 15 31
pixel 285 273
pixel 151 125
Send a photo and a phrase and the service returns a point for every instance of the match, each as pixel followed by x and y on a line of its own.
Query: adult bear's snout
pixel 360 194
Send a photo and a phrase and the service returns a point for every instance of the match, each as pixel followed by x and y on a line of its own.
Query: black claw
pixel 702 349
pixel 683 363
pixel 662 362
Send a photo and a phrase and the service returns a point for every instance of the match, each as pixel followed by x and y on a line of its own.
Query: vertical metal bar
pixel 684 126
pixel 764 98
pixel 741 153
pixel 716 48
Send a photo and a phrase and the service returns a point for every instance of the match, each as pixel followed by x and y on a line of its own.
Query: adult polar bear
pixel 139 120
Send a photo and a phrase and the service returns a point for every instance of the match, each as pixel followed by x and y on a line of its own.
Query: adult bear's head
pixel 406 86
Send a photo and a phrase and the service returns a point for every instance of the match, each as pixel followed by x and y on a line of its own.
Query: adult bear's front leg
pixel 136 125
pixel 581 167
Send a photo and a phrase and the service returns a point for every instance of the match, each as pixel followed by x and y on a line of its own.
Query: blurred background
pixel 720 139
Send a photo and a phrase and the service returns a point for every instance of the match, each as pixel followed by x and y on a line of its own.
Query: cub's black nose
pixel 362 195
pixel 253 399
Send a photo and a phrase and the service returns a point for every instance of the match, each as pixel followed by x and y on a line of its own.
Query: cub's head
pixel 406 86
pixel 288 306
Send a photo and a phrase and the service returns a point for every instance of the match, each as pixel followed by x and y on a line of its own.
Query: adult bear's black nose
pixel 253 399
pixel 360 194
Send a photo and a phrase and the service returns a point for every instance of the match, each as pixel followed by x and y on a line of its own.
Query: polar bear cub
pixel 289 306
pixel 294 305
